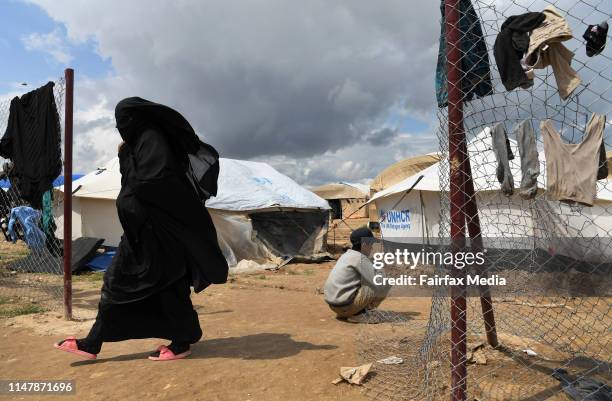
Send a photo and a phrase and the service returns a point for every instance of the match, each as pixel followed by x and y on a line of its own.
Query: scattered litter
pixel 353 375
pixel 530 352
pixel 478 358
pixel 476 354
pixel 533 305
pixel 392 360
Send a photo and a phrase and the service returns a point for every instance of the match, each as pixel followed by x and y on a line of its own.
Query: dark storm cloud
pixel 268 77
pixel 381 136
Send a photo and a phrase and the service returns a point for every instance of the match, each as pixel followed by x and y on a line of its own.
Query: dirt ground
pixel 270 336
pixel 267 336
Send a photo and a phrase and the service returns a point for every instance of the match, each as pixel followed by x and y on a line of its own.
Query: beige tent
pixel 398 172
pixel 346 200
pixel 609 157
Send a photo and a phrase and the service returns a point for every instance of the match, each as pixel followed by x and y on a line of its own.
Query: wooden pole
pixel 473 224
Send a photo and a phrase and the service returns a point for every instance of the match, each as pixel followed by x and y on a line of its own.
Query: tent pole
pixel 68 106
pixel 456 136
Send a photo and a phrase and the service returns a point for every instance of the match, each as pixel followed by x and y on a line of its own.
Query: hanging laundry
pixel 503 154
pixel 48 224
pixel 5 203
pixel 32 141
pixel 530 163
pixel 475 66
pixel 29 219
pixel 571 169
pixel 602 172
pixel 595 37
pixel 511 44
pixel 545 48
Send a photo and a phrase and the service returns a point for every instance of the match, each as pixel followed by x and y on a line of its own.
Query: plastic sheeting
pixel 291 233
pixel 243 186
pixel 270 236
pixel 246 185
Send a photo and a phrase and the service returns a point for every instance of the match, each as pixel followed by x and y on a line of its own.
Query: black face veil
pixel 134 114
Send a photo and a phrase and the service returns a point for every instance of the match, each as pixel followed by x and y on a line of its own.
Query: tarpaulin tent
pixel 397 172
pixel 347 200
pixel 413 216
pixel 259 213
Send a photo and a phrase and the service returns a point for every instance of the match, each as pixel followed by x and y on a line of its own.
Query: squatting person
pixel 350 289
pixel 169 242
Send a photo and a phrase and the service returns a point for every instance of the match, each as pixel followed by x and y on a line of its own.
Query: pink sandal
pixel 165 354
pixel 70 345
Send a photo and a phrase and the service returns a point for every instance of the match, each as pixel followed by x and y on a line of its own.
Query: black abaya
pixel 167 230
pixel 169 241
pixel 167 314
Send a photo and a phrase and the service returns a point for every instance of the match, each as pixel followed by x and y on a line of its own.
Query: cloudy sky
pixel 323 90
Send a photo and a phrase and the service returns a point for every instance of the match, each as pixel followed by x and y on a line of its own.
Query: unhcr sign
pixel 395 219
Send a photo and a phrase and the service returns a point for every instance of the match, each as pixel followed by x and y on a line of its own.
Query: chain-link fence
pixel 542 338
pixel 31 256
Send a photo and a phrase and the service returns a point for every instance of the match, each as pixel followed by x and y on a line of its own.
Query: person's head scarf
pixel 134 114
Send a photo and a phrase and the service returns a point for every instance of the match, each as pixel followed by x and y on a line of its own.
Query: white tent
pixel 413 216
pixel 259 213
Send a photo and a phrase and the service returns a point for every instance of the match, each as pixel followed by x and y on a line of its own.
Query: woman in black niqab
pixel 169 241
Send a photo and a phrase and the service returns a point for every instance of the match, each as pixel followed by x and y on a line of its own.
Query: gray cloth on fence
pixel 503 154
pixel 352 271
pixel 530 164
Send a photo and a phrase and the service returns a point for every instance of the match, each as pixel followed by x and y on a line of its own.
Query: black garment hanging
pixel 595 36
pixel 168 233
pixel 510 45
pixel 475 66
pixel 602 172
pixel 33 143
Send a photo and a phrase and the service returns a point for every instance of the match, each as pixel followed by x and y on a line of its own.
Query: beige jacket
pixel 545 48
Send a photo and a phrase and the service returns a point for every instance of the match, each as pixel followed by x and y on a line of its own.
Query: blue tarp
pixel 101 262
pixel 56 183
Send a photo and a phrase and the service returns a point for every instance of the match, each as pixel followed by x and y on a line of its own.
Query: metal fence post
pixel 456 136
pixel 68 107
